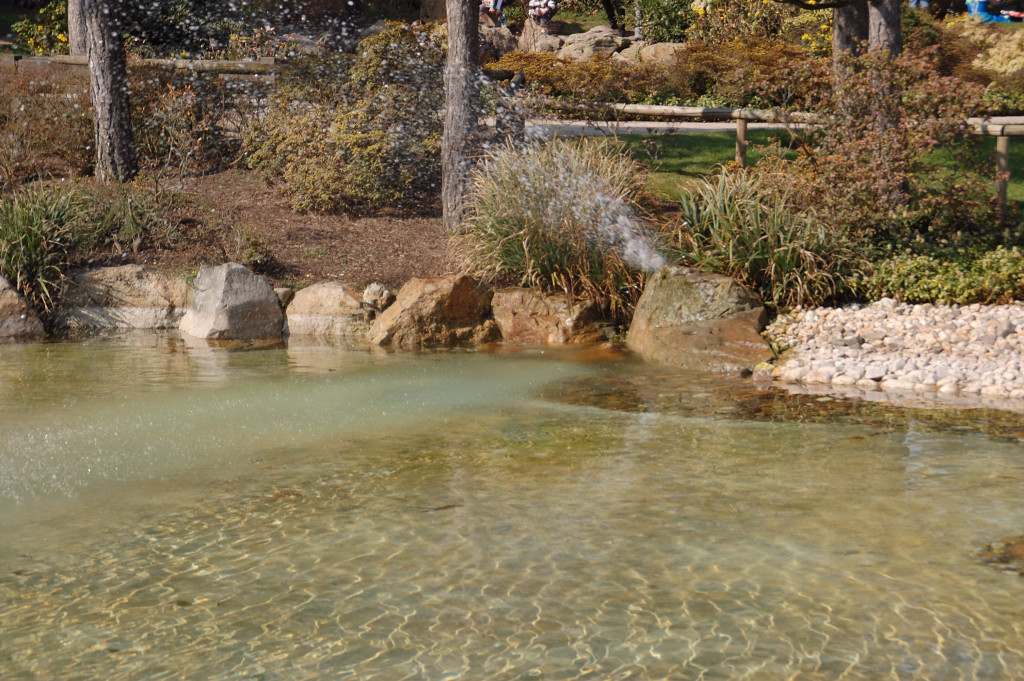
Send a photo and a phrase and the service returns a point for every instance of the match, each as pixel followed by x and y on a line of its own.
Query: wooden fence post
pixel 741 142
pixel 1002 171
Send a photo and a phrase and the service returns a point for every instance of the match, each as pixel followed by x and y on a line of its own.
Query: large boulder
pixel 599 41
pixel 497 41
pixel 18 321
pixel 231 303
pixel 329 311
pixel 437 312
pixel 666 54
pixel 529 316
pixel 120 298
pixel 534 39
pixel 697 320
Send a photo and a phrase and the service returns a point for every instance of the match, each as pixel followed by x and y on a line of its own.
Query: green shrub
pixel 561 216
pixel 964 276
pixel 743 225
pixel 593 80
pixel 37 235
pixel 1004 96
pixel 728 74
pixel 664 20
pixel 357 133
pixel 722 21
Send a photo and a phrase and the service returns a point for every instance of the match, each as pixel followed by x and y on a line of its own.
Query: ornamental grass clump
pixel 742 225
pixel 561 216
pixel 37 236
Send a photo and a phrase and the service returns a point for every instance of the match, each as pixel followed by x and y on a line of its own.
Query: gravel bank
pixel 971 355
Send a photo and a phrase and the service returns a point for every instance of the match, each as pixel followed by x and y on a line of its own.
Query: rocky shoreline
pixel 961 356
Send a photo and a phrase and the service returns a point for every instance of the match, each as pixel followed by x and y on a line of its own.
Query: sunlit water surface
pixel 171 513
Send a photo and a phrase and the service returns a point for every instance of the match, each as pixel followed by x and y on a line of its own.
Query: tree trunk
pixel 884 28
pixel 849 29
pixel 116 156
pixel 462 95
pixel 76 28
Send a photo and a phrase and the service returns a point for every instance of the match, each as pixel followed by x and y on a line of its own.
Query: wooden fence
pixel 1000 127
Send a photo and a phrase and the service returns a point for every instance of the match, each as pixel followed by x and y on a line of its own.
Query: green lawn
pixel 678 160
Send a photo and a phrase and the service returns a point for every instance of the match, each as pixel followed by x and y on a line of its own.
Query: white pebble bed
pixel 939 351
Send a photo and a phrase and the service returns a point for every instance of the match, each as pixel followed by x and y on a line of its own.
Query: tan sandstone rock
pixel 329 311
pixel 437 312
pixel 529 316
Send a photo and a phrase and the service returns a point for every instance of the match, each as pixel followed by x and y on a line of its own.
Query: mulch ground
pixel 231 215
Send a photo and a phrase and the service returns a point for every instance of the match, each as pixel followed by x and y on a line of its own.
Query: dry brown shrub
pixel 45 125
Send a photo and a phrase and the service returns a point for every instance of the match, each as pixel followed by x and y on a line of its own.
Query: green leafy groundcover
pixel 964 277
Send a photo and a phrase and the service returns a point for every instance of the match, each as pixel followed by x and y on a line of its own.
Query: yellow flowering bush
pixel 722 21
pixel 45 33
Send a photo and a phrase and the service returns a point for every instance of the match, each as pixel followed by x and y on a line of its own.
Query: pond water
pixel 175 513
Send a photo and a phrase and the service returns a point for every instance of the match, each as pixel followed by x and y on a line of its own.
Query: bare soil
pixel 233 216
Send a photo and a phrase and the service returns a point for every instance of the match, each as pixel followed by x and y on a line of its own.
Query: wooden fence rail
pixel 1000 127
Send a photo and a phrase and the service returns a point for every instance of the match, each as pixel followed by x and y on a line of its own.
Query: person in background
pixel 491 10
pixel 616 17
pixel 541 11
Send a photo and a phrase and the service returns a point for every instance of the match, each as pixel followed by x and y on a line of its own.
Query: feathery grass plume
pixel 561 216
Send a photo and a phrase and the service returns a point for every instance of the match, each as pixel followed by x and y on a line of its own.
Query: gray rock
pixel 600 41
pixel 378 297
pixel 231 303
pixel 534 39
pixel 497 41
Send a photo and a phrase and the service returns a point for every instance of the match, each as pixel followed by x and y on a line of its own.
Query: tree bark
pixel 76 28
pixel 462 95
pixel 884 27
pixel 849 29
pixel 116 155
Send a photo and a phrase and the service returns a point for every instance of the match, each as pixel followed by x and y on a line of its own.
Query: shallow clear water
pixel 171 513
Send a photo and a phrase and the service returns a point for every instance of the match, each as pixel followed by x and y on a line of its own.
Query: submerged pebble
pixel 974 351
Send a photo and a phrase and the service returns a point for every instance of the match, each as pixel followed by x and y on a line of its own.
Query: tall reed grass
pixel 735 225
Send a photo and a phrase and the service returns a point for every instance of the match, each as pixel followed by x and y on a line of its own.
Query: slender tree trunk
pixel 849 29
pixel 462 95
pixel 116 155
pixel 76 28
pixel 884 27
